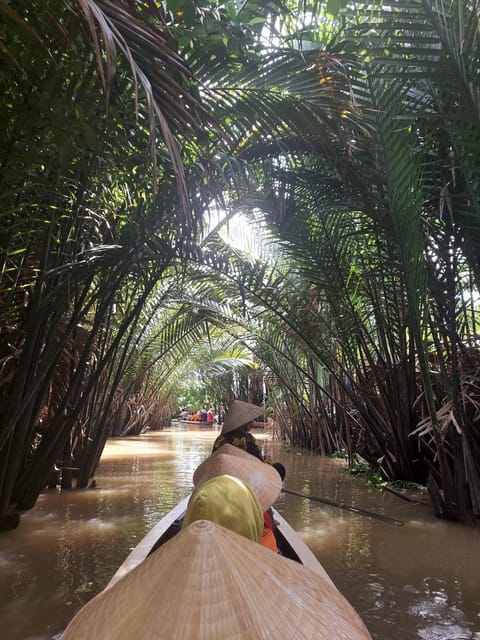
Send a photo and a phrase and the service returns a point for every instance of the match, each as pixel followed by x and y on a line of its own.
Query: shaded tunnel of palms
pixel 351 309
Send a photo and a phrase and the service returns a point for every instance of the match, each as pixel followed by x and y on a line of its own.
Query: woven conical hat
pixel 235 451
pixel 228 449
pixel 262 478
pixel 209 583
pixel 239 413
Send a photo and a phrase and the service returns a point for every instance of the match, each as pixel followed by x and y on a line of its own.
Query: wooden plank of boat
pixel 159 534
pixel 198 423
pixel 289 543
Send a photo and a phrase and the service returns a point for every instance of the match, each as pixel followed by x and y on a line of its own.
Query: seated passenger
pixel 229 502
pixel 236 428
pixel 263 479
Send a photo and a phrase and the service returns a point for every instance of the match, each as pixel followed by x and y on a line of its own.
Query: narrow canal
pixel 420 580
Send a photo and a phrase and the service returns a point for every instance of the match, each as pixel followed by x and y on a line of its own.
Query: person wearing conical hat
pixel 230 502
pixel 264 480
pixel 236 428
pixel 235 431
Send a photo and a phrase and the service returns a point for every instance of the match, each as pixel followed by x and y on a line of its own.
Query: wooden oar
pixel 362 512
pixel 401 495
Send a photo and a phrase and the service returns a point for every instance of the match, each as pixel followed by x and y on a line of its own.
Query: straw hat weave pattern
pixel 262 478
pixel 238 414
pixel 210 583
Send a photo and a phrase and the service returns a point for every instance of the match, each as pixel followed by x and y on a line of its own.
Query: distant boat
pixel 197 423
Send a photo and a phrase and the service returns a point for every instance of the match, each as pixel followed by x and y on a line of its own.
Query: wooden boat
pixel 289 543
pixel 197 423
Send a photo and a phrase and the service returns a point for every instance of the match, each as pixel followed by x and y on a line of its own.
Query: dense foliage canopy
pixel 277 201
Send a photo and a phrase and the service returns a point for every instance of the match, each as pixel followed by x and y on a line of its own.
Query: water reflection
pixel 416 581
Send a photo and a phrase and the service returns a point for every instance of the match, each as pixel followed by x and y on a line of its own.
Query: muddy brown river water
pixel 420 580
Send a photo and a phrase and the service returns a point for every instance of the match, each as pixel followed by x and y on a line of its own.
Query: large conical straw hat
pixel 234 451
pixel 262 478
pixel 239 413
pixel 209 583
pixel 228 449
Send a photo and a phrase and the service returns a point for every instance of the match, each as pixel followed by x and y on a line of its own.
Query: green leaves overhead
pixel 346 134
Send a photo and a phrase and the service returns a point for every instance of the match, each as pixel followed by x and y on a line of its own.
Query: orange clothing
pixel 268 540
